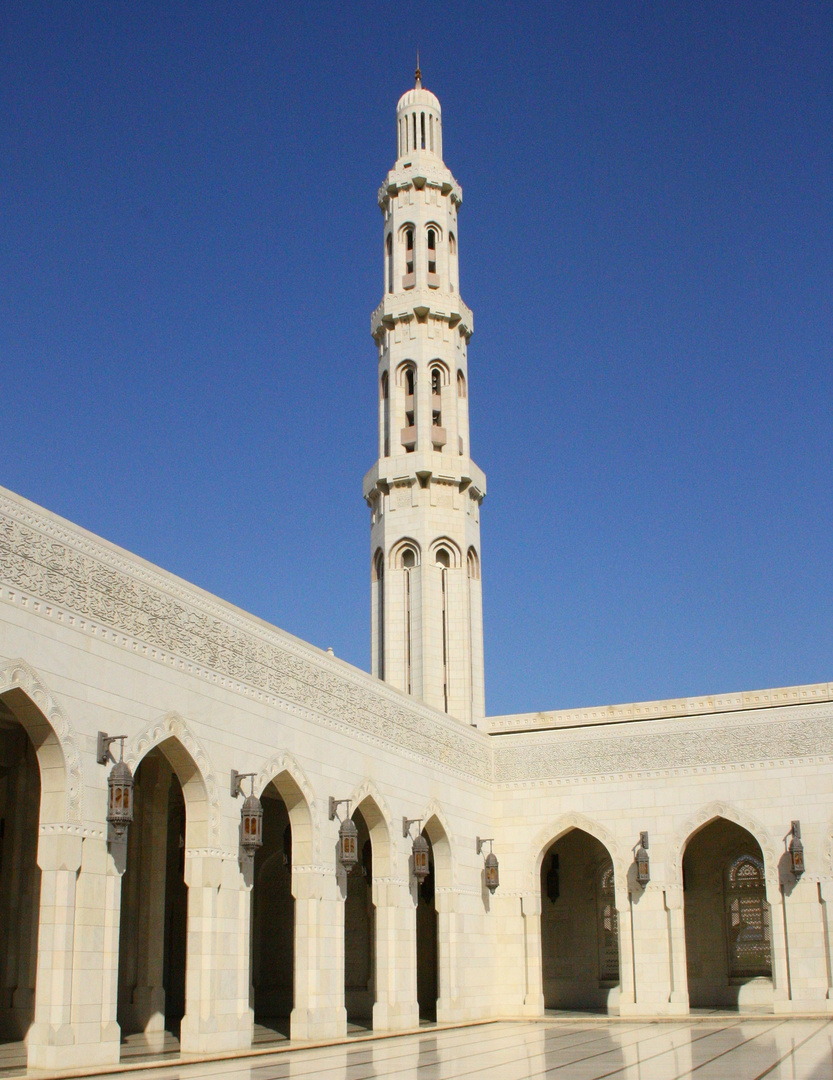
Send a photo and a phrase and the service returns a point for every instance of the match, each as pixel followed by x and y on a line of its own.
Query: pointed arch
pixel 435 823
pixel 294 788
pixel 711 812
pixel 402 551
pixel 374 809
pixel 444 543
pixel 193 768
pixel 48 726
pixel 547 836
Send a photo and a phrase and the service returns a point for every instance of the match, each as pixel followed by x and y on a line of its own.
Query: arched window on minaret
pixel 433 280
pixel 442 558
pixel 461 412
pixel 410 277
pixel 439 379
pixel 407 558
pixel 384 393
pixel 389 261
pixel 407 380
pixel 379 583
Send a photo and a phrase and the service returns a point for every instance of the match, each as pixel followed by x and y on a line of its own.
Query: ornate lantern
pixel 796 850
pixel 643 863
pixel 119 785
pixel 419 849
pixel 492 870
pixel 251 823
pixel 348 836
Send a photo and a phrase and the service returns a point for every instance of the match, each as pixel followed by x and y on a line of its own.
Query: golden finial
pixel 418 72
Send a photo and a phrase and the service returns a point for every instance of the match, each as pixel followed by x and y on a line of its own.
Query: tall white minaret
pixel 424 492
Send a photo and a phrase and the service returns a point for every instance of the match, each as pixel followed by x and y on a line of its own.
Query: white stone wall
pixel 96 639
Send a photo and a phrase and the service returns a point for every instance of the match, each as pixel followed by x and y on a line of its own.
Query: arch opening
pixel 579 925
pixel 360 931
pixel 727 918
pixel 169 813
pixel 273 919
pixel 20 876
pixel 429 956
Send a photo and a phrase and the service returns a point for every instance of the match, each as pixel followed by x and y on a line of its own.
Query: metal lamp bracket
pixel 407 823
pixel 103 752
pixel 237 778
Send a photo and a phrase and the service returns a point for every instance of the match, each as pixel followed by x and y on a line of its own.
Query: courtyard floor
pixel 719 1048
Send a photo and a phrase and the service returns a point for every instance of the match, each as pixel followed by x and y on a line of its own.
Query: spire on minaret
pixel 418 76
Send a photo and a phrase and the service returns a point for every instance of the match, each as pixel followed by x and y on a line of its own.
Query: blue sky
pixel 190 249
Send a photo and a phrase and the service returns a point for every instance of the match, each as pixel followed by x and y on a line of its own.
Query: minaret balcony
pixel 439 437
pixel 421 464
pixel 408 437
pixel 420 302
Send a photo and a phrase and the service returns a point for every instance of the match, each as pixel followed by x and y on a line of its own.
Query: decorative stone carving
pixel 737 742
pixel 64 573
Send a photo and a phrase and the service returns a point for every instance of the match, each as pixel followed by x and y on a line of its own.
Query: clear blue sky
pixel 190 249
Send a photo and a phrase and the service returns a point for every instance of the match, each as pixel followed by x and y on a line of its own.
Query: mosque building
pixel 213 831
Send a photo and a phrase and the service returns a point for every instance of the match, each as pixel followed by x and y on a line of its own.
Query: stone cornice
pixel 58 570
pixel 750 740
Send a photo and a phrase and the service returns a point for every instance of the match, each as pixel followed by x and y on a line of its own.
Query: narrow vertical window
pixel 432 251
pixel 389 254
pixel 385 391
pixel 380 614
pixel 422 127
pixel 444 562
pixel 431 133
pixel 415 139
pixel 409 280
pixel 452 261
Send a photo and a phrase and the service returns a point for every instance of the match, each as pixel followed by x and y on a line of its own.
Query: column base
pixel 208 1035
pixel 307 1024
pixel 396 1017
pixel 49 1047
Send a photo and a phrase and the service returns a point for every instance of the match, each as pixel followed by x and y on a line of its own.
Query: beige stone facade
pixel 101 941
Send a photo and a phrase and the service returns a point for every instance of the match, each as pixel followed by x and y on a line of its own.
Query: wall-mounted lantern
pixel 348 835
pixel 643 862
pixel 251 822
pixel 419 848
pixel 553 879
pixel 119 788
pixel 796 850
pixel 490 864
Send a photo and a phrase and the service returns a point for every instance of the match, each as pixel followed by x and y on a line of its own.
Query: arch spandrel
pixel 193 768
pixel 547 836
pixel 296 791
pixel 54 739
pixel 712 812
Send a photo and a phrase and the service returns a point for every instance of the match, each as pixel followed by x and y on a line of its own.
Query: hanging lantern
pixel 492 871
pixel 796 850
pixel 251 825
pixel 420 853
pixel 348 836
pixel 348 844
pixel 119 786
pixel 643 863
pixel 120 798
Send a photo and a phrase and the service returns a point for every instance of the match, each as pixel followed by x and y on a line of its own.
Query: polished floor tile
pixel 720 1048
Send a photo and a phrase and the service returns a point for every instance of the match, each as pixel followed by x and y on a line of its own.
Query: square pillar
pixel 396 1006
pixel 318 1011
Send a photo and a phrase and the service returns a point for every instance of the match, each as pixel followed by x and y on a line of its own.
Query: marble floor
pixel 719 1049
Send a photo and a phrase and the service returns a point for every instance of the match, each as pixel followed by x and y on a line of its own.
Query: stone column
pixel 533 1003
pixel 396 1006
pixel 447 942
pixel 780 976
pixel 627 995
pixel 318 1011
pixel 675 918
pixel 52 1038
pixel 217 1013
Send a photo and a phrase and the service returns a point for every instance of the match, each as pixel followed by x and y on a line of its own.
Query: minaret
pixel 424 492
